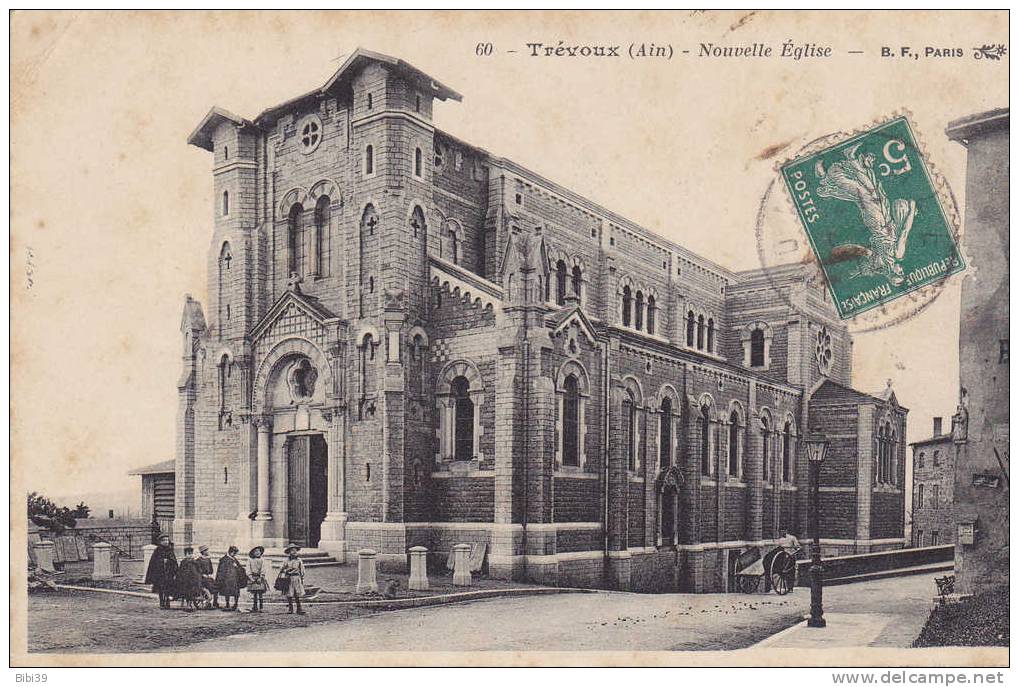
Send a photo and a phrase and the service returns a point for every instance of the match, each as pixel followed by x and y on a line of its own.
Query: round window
pixel 823 352
pixel 309 133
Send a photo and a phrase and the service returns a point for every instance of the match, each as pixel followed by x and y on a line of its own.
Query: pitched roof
pixel 167 466
pixel 835 392
pixel 202 135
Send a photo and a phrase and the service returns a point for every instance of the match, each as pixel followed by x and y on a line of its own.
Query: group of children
pixel 193 583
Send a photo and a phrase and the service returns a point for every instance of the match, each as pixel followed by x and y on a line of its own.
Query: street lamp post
pixel 817 449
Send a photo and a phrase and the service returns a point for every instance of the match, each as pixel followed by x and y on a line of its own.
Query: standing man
pixel 162 571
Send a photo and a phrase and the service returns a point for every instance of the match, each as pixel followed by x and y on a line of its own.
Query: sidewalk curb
pixel 768 641
pixel 387 604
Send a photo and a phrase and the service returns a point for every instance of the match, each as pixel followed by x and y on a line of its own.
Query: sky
pixel 112 211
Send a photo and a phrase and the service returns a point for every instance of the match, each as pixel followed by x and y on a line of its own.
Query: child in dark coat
pixel 230 578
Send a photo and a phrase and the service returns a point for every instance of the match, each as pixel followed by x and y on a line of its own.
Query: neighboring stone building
pixel 933 488
pixel 412 341
pixel 980 426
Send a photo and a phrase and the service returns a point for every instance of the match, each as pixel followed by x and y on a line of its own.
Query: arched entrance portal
pixel 297 478
pixel 307 460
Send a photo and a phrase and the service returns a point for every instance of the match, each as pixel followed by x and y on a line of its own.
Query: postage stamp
pixel 873 216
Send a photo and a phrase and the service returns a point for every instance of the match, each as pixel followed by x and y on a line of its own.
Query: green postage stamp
pixel 873 217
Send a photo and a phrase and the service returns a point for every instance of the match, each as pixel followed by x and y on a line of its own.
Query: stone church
pixel 411 341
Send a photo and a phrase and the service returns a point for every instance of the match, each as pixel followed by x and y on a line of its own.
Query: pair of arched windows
pixel 700 332
pixel 566 278
pixel 301 260
pixel 638 312
pixel 886 454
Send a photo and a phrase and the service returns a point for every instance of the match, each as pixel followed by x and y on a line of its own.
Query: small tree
pixel 45 513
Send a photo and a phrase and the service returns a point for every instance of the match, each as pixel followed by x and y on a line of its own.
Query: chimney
pixel 937 426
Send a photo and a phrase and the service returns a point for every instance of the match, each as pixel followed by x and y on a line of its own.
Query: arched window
pixel 417 103
pixel 665 435
pixel 577 281
pixel 765 449
pixel 223 370
pixel 627 300
pixel 417 162
pixel 369 154
pixel 787 450
pixel 463 428
pixel 226 203
pixel 369 101
pixel 630 413
pixel 919 496
pixel 689 328
pixel 225 258
pixel 919 459
pixel 638 314
pixel 417 364
pixel 560 283
pixel 757 348
pixel 295 247
pixel 700 332
pixel 322 252
pixel 711 336
pixel 650 314
pixel 705 422
pixel 734 444
pixel 571 421
pixel 454 248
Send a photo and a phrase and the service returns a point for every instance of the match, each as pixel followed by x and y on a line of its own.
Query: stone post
pixel 462 565
pixel 147 552
pixel 44 555
pixel 101 569
pixel 366 579
pixel 418 568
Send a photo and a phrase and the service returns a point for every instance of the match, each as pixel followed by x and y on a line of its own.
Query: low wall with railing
pixel 863 563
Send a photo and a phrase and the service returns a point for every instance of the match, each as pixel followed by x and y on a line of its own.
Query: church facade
pixel 411 341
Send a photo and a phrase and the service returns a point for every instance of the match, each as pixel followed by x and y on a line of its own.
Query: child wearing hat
pixel 230 577
pixel 208 581
pixel 257 584
pixel 293 572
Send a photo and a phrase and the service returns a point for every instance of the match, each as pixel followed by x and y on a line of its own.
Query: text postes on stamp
pixel 873 217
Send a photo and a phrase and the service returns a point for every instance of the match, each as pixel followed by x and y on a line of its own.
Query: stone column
pixel 147 552
pixel 334 527
pixel 418 568
pixel 462 565
pixel 263 514
pixel 101 569
pixel 44 555
pixel 366 578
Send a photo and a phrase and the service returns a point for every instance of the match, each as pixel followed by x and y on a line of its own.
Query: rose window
pixel 310 132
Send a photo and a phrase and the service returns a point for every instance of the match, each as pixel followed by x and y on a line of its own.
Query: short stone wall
pixel 863 563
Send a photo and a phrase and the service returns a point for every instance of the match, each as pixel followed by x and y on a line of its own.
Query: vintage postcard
pixel 510 338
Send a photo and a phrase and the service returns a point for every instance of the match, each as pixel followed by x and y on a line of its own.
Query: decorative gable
pixel 294 315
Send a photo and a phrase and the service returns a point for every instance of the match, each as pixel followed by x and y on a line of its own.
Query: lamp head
pixel 817 447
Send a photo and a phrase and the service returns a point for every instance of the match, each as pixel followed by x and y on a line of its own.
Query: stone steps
pixel 313 558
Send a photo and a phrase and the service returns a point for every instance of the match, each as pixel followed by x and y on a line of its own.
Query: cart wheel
pixel 783 572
